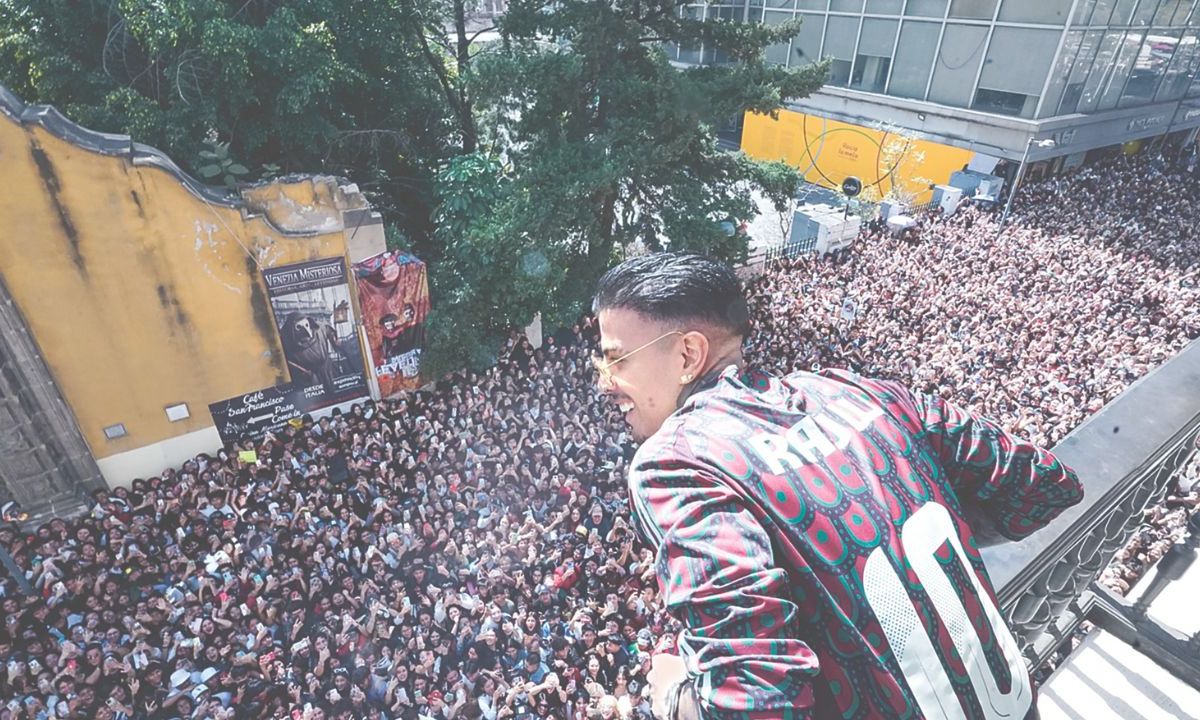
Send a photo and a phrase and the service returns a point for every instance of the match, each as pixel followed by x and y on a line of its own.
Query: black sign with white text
pixel 262 411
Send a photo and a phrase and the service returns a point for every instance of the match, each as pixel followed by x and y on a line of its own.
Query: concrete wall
pixel 147 461
pixel 141 286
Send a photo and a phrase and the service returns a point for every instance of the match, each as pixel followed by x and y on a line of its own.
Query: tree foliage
pixel 303 85
pixel 519 168
pixel 606 145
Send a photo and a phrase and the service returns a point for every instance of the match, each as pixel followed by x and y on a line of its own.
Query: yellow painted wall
pixel 829 151
pixel 139 293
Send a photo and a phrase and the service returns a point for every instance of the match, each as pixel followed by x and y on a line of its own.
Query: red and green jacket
pixel 811 536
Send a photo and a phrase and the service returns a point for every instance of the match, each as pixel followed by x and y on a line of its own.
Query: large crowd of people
pixel 1037 326
pixel 1094 282
pixel 458 553
pixel 467 552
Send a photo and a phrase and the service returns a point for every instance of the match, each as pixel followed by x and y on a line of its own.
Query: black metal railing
pixel 1126 455
pixel 769 256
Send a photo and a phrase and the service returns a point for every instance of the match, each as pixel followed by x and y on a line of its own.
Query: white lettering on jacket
pixel 814 436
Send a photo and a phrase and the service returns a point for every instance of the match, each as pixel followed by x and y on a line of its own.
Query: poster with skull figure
pixel 393 293
pixel 311 304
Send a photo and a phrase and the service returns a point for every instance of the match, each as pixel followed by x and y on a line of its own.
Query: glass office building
pixel 1085 73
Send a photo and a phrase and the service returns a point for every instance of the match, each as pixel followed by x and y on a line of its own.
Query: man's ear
pixel 695 351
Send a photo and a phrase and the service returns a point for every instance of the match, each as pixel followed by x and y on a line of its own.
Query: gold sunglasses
pixel 604 367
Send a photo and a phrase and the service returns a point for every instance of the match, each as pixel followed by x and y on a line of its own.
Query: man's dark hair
pixel 676 288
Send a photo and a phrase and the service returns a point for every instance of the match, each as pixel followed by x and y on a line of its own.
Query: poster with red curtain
pixel 393 294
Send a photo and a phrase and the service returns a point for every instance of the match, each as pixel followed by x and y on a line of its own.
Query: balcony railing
pixel 1125 455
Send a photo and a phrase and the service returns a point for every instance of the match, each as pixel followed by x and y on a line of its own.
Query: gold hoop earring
pixel 686 379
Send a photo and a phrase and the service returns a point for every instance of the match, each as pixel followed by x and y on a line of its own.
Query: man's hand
pixel 666 672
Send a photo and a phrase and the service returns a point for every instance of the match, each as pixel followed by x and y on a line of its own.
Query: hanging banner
pixel 533 333
pixel 889 162
pixel 393 294
pixel 311 303
pixel 268 410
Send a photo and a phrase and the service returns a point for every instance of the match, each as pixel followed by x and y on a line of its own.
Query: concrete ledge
pixel 1111 451
pixel 1105 678
pixel 148 461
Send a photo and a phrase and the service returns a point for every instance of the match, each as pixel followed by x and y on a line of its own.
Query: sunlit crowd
pixel 466 551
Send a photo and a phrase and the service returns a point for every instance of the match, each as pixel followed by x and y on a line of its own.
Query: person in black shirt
pixel 336 464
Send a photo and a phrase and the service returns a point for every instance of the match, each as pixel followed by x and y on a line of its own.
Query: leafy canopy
pixel 595 144
pixel 520 167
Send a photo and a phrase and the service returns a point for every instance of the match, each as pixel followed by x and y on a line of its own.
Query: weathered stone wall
pixel 44 463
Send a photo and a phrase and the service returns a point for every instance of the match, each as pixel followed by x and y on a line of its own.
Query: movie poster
pixel 393 293
pixel 311 304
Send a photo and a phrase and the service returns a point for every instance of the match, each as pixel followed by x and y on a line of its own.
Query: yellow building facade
pixel 890 163
pixel 143 288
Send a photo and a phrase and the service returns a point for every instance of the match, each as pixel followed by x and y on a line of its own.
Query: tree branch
pixel 476 35
pixel 454 97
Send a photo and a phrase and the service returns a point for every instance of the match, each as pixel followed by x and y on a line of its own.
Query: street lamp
pixel 1047 143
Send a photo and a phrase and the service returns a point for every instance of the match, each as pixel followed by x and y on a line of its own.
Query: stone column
pixel 45 464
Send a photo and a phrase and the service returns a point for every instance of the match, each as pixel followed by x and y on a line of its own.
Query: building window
pixel 1079 71
pixel 778 54
pixel 1150 67
pixel 1179 74
pixel 884 7
pixel 874 57
pixel 914 59
pixel 841 35
pixel 1017 63
pixel 1101 13
pixel 1043 12
pixel 839 73
pixel 957 64
pixel 926 8
pixel 870 73
pixel 1001 102
pixel 1143 16
pixel 112 432
pixel 1127 53
pixel 1173 12
pixel 1083 11
pixel 806 46
pixel 1123 12
pixel 972 9
pixel 1105 55
pixel 1061 72
pixel 177 412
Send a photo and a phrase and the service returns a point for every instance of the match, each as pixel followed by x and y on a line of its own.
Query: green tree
pixel 519 168
pixel 601 142
pixel 492 276
pixel 299 86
